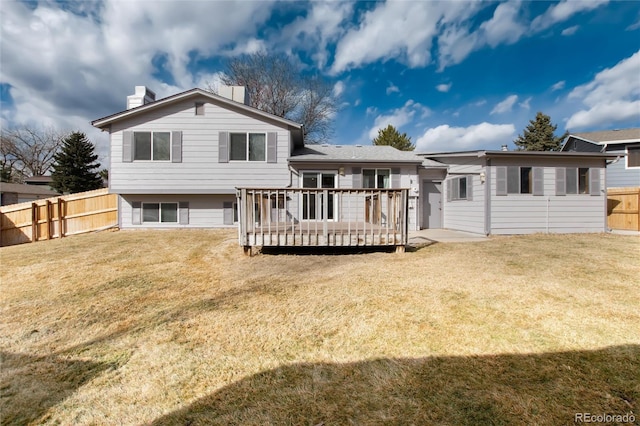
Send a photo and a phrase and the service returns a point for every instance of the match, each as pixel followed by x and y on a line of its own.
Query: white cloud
pixel 444 88
pixel 558 86
pixel 338 88
pixel 570 31
pixel 504 26
pixel 525 104
pixel 612 96
pixel 505 106
pixel 397 117
pixel 392 89
pixel 414 24
pixel 480 103
pixel 562 11
pixel 478 136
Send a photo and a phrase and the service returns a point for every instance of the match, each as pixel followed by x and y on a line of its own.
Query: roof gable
pixel 610 136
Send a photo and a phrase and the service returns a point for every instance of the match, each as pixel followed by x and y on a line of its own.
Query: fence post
pixel 48 218
pixel 34 222
pixel 60 218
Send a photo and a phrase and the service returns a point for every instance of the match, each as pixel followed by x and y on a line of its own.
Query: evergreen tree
pixel 75 166
pixel 539 135
pixel 391 136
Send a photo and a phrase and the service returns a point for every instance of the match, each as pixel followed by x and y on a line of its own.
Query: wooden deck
pixel 301 217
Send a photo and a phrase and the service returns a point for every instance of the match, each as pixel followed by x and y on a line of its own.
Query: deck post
pixel 325 215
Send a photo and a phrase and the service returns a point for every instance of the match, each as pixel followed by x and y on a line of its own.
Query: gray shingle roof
pixel 353 153
pixel 27 189
pixel 610 135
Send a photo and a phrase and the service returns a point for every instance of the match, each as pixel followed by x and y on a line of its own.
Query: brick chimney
pixel 142 96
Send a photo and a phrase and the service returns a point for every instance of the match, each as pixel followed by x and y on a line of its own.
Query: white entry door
pixel 313 203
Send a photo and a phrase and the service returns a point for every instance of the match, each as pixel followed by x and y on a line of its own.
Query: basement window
pixel 160 212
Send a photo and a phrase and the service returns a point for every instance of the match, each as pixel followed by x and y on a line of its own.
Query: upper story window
pixel 375 178
pixel 247 146
pixel 633 156
pixel 152 146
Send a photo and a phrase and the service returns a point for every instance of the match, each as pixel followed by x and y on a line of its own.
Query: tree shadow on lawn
pixel 548 388
pixel 32 384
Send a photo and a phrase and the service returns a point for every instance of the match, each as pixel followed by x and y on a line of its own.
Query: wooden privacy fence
pixel 58 217
pixel 622 208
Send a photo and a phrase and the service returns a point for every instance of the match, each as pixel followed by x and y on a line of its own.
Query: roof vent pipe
pixel 505 148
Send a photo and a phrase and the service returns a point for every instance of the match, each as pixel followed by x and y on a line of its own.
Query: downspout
pixel 487 198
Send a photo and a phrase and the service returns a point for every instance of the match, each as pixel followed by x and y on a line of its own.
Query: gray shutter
pixel 272 147
pixel 136 212
pixel 176 147
pixel 227 213
pixel 594 181
pixel 356 177
pixel 469 188
pixel 561 177
pixel 127 147
pixel 223 147
pixel 538 181
pixel 396 181
pixel 449 190
pixel 183 212
pixel 501 180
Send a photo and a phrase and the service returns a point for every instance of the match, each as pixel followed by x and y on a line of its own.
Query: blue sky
pixel 453 75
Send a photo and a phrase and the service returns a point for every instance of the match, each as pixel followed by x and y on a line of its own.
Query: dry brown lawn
pixel 177 327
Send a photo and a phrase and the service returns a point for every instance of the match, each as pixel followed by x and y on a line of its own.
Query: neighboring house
pixel 43 181
pixel 625 172
pixel 14 193
pixel 188 159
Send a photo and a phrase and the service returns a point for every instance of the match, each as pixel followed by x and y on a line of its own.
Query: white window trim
pixel 133 141
pixel 336 186
pixel 376 177
pixel 159 222
pixel 247 142
pixel 626 160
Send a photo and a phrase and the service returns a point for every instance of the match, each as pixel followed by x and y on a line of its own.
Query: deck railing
pixel 322 217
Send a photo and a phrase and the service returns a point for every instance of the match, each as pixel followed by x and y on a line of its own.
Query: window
pixel 160 212
pixel 247 146
pixel 152 146
pixel 313 203
pixel 577 180
pixel 199 108
pixel 519 180
pixel 375 178
pixel 459 188
pixel 633 156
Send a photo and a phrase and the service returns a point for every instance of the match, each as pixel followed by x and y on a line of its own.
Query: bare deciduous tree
pixel 27 151
pixel 278 86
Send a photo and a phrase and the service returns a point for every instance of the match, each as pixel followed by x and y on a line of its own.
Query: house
pixel 522 192
pixel 625 172
pixel 201 160
pixel 43 181
pixel 13 193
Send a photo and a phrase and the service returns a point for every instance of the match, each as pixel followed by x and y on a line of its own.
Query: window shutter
pixel 538 181
pixel 272 147
pixel 183 212
pixel 561 177
pixel 594 181
pixel 223 147
pixel 449 191
pixel 469 188
pixel 356 177
pixel 127 147
pixel 227 213
pixel 176 147
pixel 501 180
pixel 396 178
pixel 136 212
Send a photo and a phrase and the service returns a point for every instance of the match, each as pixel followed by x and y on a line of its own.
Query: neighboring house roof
pixel 295 128
pixel 610 136
pixel 38 180
pixel 353 153
pixel 20 188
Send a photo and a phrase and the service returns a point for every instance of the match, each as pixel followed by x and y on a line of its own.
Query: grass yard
pixel 178 327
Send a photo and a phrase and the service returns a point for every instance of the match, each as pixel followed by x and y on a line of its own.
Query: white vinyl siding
pixel 193 211
pixel 199 171
pixel 619 175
